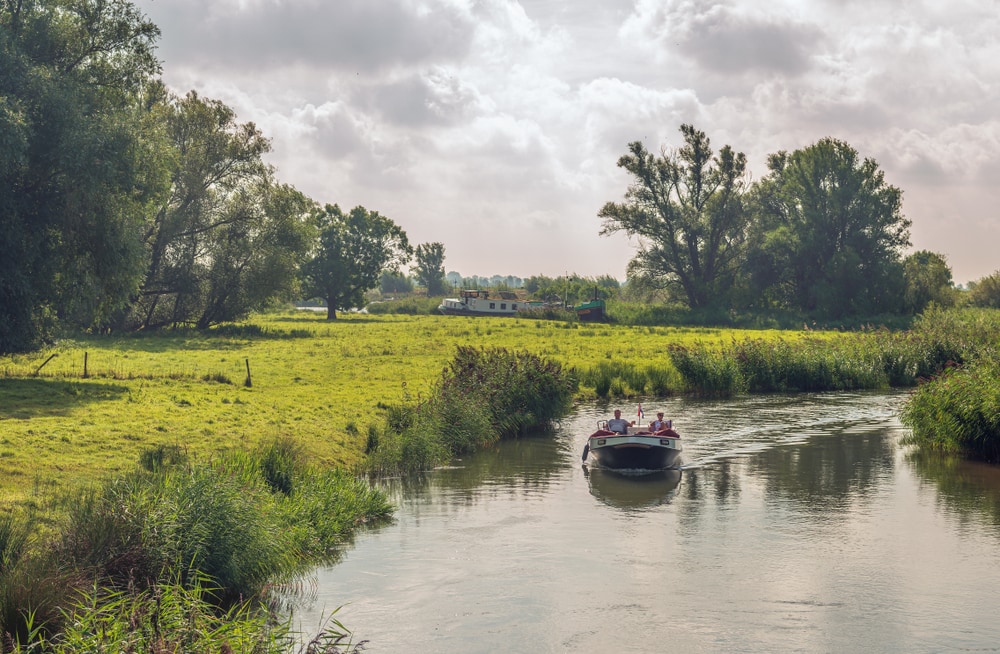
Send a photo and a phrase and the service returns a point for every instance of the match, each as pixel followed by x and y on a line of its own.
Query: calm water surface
pixel 798 524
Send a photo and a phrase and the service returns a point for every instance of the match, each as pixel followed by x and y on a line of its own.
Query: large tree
pixel 78 170
pixel 429 267
pixel 686 206
pixel 353 250
pixel 828 233
pixel 227 238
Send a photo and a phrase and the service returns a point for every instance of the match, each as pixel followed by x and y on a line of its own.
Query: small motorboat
pixel 639 449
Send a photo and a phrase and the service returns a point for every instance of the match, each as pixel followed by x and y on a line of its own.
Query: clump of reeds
pixel 484 394
pixel 958 411
pixel 706 371
pixel 626 379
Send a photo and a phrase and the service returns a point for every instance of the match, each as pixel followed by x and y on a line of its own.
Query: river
pixel 799 523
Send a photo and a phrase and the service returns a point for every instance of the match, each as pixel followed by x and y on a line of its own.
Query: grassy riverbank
pixel 89 407
pixel 958 409
pixel 177 555
pixel 100 401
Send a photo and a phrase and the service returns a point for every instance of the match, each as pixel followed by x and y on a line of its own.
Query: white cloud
pixel 502 119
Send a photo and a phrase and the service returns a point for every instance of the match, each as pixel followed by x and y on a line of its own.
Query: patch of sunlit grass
pixel 102 400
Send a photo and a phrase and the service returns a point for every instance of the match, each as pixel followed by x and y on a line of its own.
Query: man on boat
pixel 618 424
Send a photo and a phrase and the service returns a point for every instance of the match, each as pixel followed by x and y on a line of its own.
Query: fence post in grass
pixel 85 365
pixel 248 383
pixel 39 368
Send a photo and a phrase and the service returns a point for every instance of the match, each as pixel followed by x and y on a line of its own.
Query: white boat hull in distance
pixel 636 451
pixel 478 303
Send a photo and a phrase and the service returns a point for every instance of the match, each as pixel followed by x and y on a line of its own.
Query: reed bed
pixel 176 542
pixel 956 408
pixel 959 411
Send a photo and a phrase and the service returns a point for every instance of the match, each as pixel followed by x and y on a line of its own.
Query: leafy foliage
pixel 928 279
pixel 354 249
pixel 429 267
pixel 827 234
pixel 687 209
pixel 985 292
pixel 79 171
pixel 227 239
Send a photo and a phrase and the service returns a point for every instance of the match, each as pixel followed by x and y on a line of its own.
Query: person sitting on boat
pixel 659 423
pixel 618 424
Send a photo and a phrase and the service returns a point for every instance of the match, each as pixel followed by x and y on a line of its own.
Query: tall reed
pixel 958 411
pixel 221 532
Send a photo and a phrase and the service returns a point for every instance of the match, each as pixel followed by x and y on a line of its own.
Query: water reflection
pixel 837 469
pixel 967 488
pixel 632 492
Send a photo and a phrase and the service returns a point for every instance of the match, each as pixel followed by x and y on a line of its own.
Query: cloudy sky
pixel 494 126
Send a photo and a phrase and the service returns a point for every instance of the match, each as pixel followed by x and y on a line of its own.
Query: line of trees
pixel 126 207
pixel 822 233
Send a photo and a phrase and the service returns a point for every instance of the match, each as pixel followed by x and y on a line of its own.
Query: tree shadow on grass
pixel 22 399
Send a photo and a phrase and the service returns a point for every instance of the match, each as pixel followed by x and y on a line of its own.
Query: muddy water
pixel 798 524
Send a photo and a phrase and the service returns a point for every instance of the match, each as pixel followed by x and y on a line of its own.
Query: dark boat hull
pixel 638 452
pixel 591 310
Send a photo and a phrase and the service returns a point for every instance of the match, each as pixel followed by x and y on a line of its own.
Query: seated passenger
pixel 659 423
pixel 618 424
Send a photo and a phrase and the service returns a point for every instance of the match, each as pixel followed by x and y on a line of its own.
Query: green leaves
pixel 77 183
pixel 353 251
pixel 429 267
pixel 686 208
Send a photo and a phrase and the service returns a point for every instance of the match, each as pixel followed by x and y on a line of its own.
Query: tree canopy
pixel 429 268
pixel 928 279
pixel 354 249
pixel 828 233
pixel 821 234
pixel 227 238
pixel 686 207
pixel 79 177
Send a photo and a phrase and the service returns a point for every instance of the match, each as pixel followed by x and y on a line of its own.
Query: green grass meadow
pixel 318 382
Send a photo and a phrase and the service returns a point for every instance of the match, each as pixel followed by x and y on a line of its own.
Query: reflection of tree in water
pixel 971 490
pixel 524 465
pixel 828 473
pixel 720 481
pixel 824 475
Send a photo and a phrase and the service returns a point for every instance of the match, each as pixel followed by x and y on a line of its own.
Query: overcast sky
pixel 494 126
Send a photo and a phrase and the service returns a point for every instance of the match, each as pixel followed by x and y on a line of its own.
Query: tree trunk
pixel 331 310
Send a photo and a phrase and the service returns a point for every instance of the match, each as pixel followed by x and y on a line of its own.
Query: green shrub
pixel 483 395
pixel 958 411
